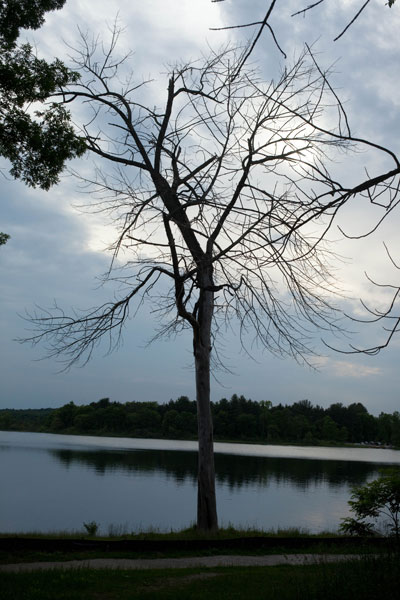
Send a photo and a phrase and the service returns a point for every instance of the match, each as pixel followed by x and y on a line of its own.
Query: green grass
pixel 368 579
pixel 48 535
pixel 228 532
pixel 190 533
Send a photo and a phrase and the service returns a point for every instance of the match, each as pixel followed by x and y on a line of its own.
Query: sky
pixel 56 253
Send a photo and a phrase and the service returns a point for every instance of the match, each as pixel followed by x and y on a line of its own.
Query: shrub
pixel 91 527
pixel 379 501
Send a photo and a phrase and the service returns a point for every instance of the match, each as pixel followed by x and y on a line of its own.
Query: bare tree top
pixel 230 176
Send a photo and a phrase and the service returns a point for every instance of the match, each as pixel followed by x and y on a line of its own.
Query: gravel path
pixel 182 563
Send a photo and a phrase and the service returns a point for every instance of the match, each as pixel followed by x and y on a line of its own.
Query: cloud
pixel 341 368
pixel 344 368
pixel 157 32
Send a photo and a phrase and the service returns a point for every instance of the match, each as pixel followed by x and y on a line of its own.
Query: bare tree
pixel 223 198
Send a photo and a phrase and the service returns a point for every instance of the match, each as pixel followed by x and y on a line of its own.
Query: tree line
pixel 237 419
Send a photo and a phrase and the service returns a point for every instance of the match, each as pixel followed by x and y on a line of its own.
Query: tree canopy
pixel 23 14
pixel 4 237
pixel 37 138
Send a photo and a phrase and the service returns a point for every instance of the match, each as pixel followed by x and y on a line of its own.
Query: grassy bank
pixel 366 579
pixel 35 547
pixel 188 533
pixel 374 576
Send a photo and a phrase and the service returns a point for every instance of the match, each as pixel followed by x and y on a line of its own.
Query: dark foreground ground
pixel 20 545
pixel 260 568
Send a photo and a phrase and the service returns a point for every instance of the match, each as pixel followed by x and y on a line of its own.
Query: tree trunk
pixel 206 500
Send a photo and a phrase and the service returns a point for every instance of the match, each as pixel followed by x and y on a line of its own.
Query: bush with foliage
pixel 379 501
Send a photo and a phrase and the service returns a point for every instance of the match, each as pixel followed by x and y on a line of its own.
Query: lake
pixel 56 482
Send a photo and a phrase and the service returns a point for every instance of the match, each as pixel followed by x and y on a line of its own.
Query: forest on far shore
pixel 237 419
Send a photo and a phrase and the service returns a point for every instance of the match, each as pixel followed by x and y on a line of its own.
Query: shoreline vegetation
pixel 189 540
pixel 116 532
pixel 237 420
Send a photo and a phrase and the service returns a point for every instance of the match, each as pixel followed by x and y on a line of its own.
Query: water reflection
pixel 54 482
pixel 180 465
pixel 233 471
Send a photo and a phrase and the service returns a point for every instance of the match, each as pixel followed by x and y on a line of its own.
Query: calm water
pixel 56 482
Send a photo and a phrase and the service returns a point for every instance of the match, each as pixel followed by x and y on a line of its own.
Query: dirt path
pixel 182 563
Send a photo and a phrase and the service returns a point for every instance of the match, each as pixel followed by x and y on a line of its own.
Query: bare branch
pixel 352 21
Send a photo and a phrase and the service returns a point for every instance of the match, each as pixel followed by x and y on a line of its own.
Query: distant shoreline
pixel 237 420
pixel 251 442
